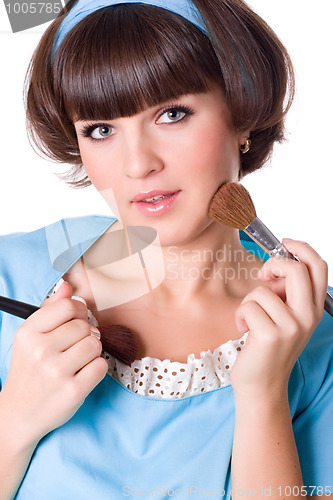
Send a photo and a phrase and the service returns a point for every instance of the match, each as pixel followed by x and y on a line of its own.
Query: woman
pixel 162 103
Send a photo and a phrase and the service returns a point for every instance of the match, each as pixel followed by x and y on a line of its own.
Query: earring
pixel 244 148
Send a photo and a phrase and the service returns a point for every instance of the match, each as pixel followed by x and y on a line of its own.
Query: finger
pixel 55 314
pixel 298 287
pixel 68 334
pixel 271 303
pixel 253 315
pixel 241 325
pixel 64 291
pixel 91 374
pixel 317 268
pixel 82 353
pixel 278 286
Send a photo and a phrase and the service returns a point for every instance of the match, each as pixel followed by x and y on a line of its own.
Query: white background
pixel 292 195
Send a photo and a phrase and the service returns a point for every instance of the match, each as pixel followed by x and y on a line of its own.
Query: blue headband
pixel 82 8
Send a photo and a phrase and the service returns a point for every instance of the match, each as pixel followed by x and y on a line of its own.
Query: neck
pixel 213 266
pixel 215 263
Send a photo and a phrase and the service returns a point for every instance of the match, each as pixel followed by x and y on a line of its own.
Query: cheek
pixel 97 168
pixel 101 175
pixel 216 154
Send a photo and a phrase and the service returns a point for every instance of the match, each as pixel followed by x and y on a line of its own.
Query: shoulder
pixel 32 263
pixel 311 381
pixel 311 404
pixel 315 364
pixel 36 259
pixel 317 356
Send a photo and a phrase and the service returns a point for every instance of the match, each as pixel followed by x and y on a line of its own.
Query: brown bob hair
pixel 122 59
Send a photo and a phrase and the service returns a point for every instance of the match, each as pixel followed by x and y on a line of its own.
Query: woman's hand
pixel 280 321
pixel 55 364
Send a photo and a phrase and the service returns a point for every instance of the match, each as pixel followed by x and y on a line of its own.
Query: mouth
pixel 155 202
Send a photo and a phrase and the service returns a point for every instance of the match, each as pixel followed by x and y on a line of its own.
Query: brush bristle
pixel 232 206
pixel 119 341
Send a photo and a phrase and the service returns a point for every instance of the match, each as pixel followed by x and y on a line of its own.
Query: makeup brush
pixel 232 205
pixel 118 340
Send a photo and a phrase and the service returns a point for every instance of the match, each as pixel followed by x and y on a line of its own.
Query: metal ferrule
pixel 268 242
pixel 95 332
pixel 266 239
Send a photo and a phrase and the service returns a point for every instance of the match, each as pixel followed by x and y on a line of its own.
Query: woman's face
pixel 165 163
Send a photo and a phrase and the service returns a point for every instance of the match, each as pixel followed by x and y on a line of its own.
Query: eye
pixel 101 132
pixel 174 114
pixel 97 131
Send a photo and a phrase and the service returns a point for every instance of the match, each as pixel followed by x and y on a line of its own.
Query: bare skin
pixel 171 321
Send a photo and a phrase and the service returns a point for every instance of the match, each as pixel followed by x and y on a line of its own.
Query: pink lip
pixel 159 207
pixel 150 194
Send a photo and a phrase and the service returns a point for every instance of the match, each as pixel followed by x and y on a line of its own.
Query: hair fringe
pixel 243 54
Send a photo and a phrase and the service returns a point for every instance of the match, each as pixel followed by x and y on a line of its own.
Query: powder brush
pixel 232 205
pixel 118 340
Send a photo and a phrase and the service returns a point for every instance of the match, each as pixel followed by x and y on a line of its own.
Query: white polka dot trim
pixel 172 380
pixel 167 379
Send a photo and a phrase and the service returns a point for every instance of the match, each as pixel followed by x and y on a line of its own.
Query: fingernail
pixel 287 240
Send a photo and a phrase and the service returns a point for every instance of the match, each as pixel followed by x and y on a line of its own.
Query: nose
pixel 141 157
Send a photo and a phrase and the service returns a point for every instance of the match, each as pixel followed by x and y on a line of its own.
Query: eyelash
pixel 90 127
pixel 176 107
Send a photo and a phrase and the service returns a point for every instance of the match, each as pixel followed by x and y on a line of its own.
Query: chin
pixel 173 229
pixel 182 235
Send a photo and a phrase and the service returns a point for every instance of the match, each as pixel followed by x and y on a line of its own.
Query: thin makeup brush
pixel 118 340
pixel 232 205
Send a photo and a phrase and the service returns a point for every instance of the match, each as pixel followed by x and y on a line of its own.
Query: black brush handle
pixel 17 308
pixel 329 304
pixel 123 349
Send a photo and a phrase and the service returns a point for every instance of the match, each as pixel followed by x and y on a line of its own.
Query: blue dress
pixel 120 444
